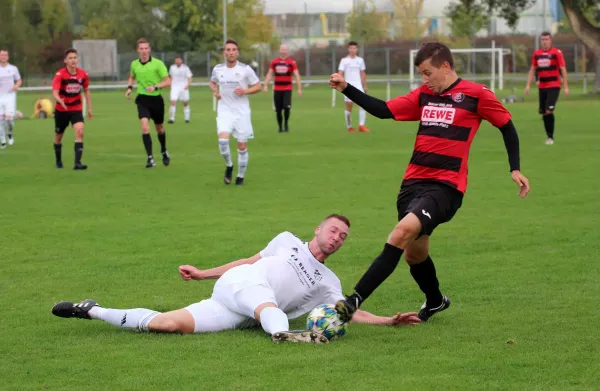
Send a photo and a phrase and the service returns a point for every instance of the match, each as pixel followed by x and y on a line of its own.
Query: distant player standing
pixel 548 64
pixel 235 81
pixel 151 75
pixel 181 79
pixel 10 81
pixel 352 68
pixel 66 90
pixel 283 68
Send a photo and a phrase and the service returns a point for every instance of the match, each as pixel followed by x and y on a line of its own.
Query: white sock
pixel 348 117
pixel 136 318
pixel 2 131
pixel 225 151
pixel 362 117
pixel 172 110
pixel 273 320
pixel 186 113
pixel 243 157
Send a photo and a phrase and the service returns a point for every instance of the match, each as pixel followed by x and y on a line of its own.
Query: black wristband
pixel 130 87
pixel 156 87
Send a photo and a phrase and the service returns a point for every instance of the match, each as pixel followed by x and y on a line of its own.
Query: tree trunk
pixel 588 34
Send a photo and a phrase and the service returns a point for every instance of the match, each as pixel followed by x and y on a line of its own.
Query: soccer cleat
pixel 3 146
pixel 11 140
pixel 286 129
pixel 171 121
pixel 166 158
pixel 280 131
pixel 59 165
pixel 299 336
pixel 347 307
pixel 150 163
pixel 550 141
pixel 351 130
pixel 427 312
pixel 187 121
pixel 67 309
pixel 239 181
pixel 79 166
pixel 363 129
pixel 228 175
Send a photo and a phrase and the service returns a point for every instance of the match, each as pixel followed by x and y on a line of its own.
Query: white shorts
pixel 359 87
pixel 180 93
pixel 8 105
pixel 235 297
pixel 237 125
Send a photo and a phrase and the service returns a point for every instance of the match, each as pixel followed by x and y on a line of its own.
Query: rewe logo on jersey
pixel 281 69
pixel 438 114
pixel 73 88
pixel 544 62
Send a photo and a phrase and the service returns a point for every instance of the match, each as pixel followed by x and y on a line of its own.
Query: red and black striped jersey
pixel 448 124
pixel 69 88
pixel 283 70
pixel 547 65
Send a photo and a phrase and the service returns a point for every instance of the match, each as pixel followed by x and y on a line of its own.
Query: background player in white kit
pixel 181 79
pixel 285 280
pixel 10 81
pixel 235 81
pixel 352 68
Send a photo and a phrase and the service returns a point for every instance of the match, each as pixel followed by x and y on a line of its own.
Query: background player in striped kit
pixel 10 81
pixel 181 79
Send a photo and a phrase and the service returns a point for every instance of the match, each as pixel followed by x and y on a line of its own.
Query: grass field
pixel 523 275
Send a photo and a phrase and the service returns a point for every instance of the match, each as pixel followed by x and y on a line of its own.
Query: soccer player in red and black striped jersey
pixel 547 66
pixel 67 86
pixel 282 68
pixel 450 111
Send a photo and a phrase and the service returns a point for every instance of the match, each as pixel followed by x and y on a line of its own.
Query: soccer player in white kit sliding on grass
pixel 285 280
pixel 235 81
pixel 10 81
pixel 181 79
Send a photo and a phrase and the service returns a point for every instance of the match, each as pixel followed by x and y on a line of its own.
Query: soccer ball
pixel 324 320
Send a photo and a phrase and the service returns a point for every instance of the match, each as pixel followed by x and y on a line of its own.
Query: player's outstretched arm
pixel 407 319
pixel 192 273
pixel 372 105
pixel 511 142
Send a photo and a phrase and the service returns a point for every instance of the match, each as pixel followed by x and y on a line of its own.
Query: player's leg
pixel 224 130
pixel 278 103
pixel 10 117
pixel 348 114
pixel 77 121
pixel 185 97
pixel 243 132
pixel 144 116
pixel 551 97
pixel 3 110
pixel 362 118
pixel 61 122
pixel 172 110
pixel 287 108
pixel 157 113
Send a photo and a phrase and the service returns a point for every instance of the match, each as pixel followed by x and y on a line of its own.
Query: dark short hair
pixel 545 34
pixel 178 56
pixel 141 40
pixel 69 51
pixel 231 41
pixel 437 52
pixel 339 217
pixel 3 50
pixel 352 43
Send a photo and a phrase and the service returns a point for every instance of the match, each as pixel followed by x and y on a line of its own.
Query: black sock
pixel 58 152
pixel 78 152
pixel 286 115
pixel 162 137
pixel 549 124
pixel 425 276
pixel 381 268
pixel 279 119
pixel 10 124
pixel 147 144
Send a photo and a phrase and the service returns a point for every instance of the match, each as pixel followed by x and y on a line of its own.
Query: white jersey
pixel 300 282
pixel 9 74
pixel 228 79
pixel 179 75
pixel 352 68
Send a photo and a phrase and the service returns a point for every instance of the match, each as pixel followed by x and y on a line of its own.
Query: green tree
pixel 466 18
pixel 193 24
pixel 408 18
pixel 366 24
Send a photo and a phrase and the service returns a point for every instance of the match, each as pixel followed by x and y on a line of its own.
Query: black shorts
pixel 548 98
pixel 282 100
pixel 433 203
pixel 62 119
pixel 151 107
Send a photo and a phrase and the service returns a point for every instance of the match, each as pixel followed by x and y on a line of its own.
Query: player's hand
pixel 527 90
pixel 522 181
pixel 128 93
pixel 62 103
pixel 366 89
pixel 187 87
pixel 190 273
pixel 150 89
pixel 239 91
pixel 15 88
pixel 299 92
pixel 337 82
pixel 266 88
pixel 90 114
pixel 567 91
pixel 408 319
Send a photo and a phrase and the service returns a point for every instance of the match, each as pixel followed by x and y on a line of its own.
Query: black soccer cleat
pixel 347 307
pixel 59 165
pixel 187 121
pixel 427 312
pixel 171 121
pixel 79 166
pixel 67 309
pixel 239 181
pixel 228 175
pixel 280 131
pixel 150 163
pixel 299 336
pixel 166 158
pixel 287 129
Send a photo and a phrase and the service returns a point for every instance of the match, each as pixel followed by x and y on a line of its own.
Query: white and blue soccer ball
pixel 324 319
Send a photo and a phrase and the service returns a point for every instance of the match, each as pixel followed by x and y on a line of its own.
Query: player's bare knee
pixel 160 129
pixel 242 146
pixel 415 255
pixel 404 232
pixel 261 307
